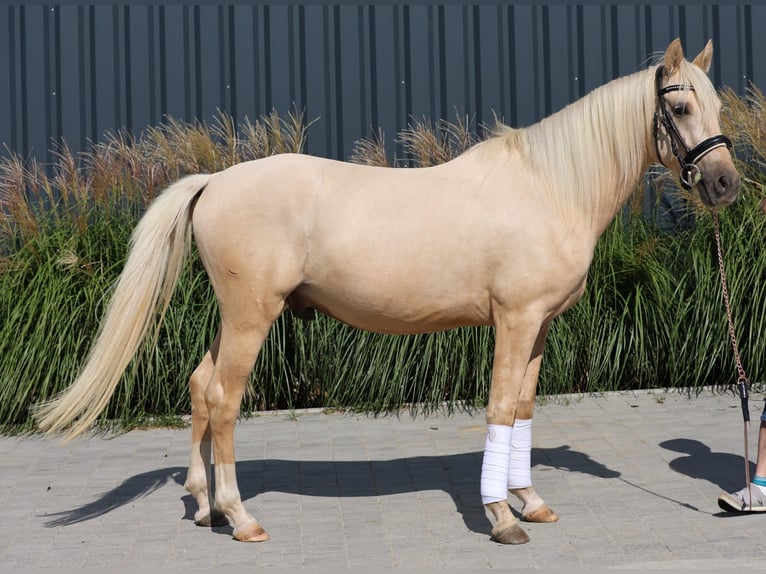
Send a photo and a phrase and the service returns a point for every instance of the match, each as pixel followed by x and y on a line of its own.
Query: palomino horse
pixel 502 235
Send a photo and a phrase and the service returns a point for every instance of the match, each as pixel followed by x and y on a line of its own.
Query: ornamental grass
pixel 652 315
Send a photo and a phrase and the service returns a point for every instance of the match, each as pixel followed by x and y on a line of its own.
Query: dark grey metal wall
pixel 73 70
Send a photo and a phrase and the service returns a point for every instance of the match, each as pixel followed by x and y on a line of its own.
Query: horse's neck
pixel 594 152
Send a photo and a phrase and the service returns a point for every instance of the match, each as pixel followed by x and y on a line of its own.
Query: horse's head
pixel 687 133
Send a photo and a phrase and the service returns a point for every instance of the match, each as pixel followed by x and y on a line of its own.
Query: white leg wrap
pixel 495 467
pixel 519 472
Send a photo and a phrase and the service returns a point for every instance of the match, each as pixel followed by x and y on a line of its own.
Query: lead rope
pixel 742 383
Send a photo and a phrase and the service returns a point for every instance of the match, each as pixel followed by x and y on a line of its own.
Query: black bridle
pixel 690 173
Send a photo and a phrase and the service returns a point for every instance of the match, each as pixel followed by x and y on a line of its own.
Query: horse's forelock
pixel 705 92
pixel 693 76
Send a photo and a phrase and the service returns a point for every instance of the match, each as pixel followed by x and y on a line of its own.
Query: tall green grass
pixel 652 315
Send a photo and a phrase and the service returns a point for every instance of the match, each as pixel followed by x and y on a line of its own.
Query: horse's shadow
pixel 458 475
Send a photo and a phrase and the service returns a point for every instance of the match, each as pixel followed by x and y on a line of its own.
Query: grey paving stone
pixel 634 478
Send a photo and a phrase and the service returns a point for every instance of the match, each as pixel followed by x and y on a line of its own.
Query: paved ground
pixel 634 477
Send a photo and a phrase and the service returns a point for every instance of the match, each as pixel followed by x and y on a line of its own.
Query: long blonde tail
pixel 144 288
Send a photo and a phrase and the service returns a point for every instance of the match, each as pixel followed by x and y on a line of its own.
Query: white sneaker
pixel 740 501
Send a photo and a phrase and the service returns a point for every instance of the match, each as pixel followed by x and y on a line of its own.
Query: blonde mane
pixel 589 150
pixel 598 147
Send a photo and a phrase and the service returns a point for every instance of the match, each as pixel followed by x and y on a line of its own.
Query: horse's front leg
pixel 506 464
pixel 520 473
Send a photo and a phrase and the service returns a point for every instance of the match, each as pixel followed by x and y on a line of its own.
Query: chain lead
pixel 727 303
pixel 742 383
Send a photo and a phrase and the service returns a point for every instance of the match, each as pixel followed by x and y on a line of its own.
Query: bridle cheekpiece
pixel 690 173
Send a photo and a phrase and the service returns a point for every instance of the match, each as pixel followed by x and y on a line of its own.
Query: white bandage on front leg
pixel 495 467
pixel 519 472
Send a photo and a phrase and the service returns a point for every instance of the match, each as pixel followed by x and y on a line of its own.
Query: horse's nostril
pixel 723 184
pixel 727 183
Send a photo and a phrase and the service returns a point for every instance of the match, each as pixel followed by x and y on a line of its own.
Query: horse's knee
pixel 501 412
pixel 525 409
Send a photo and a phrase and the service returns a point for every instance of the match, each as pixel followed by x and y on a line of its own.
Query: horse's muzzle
pixel 719 187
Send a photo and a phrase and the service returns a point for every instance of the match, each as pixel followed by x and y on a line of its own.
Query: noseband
pixel 690 173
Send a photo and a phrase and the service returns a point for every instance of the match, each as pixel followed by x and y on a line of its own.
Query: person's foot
pixel 740 501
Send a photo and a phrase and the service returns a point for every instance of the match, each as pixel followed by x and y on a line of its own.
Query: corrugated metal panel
pixel 73 70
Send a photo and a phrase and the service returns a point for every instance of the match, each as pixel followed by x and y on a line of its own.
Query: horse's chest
pixel 553 279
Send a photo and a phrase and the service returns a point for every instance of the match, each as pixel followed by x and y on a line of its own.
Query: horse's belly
pixel 402 314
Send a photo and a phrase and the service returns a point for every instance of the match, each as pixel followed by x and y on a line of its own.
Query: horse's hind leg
pixel 198 475
pixel 242 334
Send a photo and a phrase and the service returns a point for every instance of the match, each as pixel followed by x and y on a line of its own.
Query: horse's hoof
pixel 513 534
pixel 543 514
pixel 251 533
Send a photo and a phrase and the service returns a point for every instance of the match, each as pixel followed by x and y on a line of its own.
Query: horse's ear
pixel 705 57
pixel 673 56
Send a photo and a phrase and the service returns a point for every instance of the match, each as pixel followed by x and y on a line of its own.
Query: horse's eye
pixel 680 110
